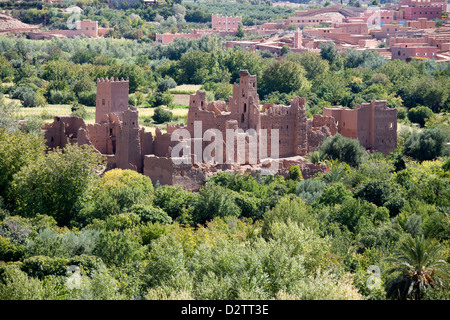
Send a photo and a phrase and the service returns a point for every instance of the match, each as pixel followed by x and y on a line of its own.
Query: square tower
pixel 112 97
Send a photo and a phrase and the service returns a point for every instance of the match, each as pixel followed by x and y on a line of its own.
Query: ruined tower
pixel 245 97
pixel 112 97
pixel 128 154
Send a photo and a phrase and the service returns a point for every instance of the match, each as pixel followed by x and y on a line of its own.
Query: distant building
pixel 403 51
pixel 225 23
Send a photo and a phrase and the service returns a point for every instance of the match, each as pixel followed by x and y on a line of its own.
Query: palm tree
pixel 420 268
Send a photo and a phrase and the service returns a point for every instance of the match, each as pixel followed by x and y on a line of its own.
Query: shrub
pixel 160 99
pixel 10 251
pixel 118 247
pixel 116 192
pixel 79 111
pixel 335 193
pixel 162 116
pixel 16 285
pixel 42 266
pixel 88 98
pixel 288 209
pixel 174 200
pixel 420 114
pixel 40 189
pixel 375 191
pixel 60 97
pixel 215 201
pixel 343 149
pixel 166 84
pixel 295 173
pixel 425 145
pixel 152 231
pixel 148 213
pixel 310 190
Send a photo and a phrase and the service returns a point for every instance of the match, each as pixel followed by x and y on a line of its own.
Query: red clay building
pixel 373 124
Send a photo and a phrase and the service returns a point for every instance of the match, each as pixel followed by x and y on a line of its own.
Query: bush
pixel 344 149
pixel 420 114
pixel 118 247
pixel 152 214
pixel 160 99
pixel 79 111
pixel 215 201
pixel 425 145
pixel 88 98
pixel 40 189
pixel 310 190
pixel 166 84
pixel 375 191
pixel 295 173
pixel 288 209
pixel 16 285
pixel 152 231
pixel 162 116
pixel 42 266
pixel 116 192
pixel 10 251
pixel 60 97
pixel 174 200
pixel 335 193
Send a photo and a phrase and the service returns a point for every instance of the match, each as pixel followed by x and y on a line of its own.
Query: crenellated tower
pixel 112 97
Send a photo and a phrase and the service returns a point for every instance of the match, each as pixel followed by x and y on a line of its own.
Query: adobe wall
pixel 282 118
pixel 100 135
pixel 373 124
pixel 128 154
pixel 61 130
pixel 164 170
pixel 364 125
pixel 385 127
pixel 89 28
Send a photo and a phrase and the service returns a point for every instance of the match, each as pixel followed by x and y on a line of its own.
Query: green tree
pixel 116 192
pixel 193 67
pixel 161 115
pixel 215 201
pixel 419 267
pixel 284 76
pixel 420 114
pixel 55 183
pixel 17 150
pixel 425 145
pixel 313 64
pixel 240 31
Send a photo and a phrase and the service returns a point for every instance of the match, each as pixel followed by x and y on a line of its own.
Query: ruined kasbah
pixel 238 135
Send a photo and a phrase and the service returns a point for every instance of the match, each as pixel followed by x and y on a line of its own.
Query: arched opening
pixel 245 107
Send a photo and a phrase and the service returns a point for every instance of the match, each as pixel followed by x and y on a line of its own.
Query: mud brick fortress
pixel 116 133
